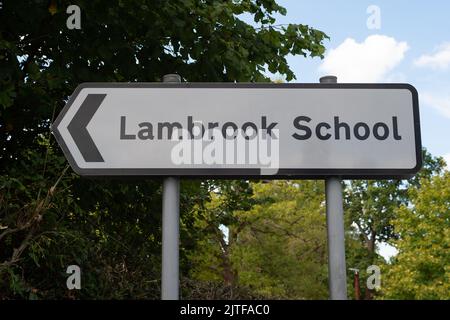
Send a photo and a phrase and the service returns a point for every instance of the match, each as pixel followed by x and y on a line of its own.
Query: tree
pixel 278 246
pixel 212 259
pixel 421 270
pixel 282 251
pixel 370 206
pixel 51 218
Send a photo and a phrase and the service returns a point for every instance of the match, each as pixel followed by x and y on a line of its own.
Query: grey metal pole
pixel 337 276
pixel 170 280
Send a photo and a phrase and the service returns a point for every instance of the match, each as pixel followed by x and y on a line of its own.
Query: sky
pixel 409 43
pixel 384 41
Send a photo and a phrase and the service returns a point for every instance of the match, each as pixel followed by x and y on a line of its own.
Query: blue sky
pixel 412 45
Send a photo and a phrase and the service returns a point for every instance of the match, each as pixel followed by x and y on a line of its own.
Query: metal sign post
pixel 170 281
pixel 317 130
pixel 337 277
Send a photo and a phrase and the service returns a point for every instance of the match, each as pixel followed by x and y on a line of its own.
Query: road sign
pixel 242 130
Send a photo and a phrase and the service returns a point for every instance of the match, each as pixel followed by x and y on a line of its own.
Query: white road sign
pixel 236 130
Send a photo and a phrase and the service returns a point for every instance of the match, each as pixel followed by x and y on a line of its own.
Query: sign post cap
pixel 328 79
pixel 172 77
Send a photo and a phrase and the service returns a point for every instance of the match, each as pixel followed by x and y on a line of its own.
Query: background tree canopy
pixel 421 270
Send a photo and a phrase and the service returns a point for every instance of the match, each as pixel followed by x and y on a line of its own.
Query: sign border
pixel 314 173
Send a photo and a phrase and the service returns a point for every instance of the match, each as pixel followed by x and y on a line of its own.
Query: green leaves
pixel 276 241
pixel 370 205
pixel 373 208
pixel 7 96
pixel 421 269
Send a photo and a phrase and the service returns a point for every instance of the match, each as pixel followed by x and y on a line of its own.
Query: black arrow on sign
pixel 77 128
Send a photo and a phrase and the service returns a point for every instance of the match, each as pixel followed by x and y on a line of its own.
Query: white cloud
pixel 439 103
pixel 440 59
pixel 368 61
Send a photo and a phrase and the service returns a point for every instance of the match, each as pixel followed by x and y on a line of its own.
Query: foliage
pixel 282 252
pixel 278 246
pixel 370 204
pixel 212 258
pixel 370 207
pixel 421 270
pixel 51 219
